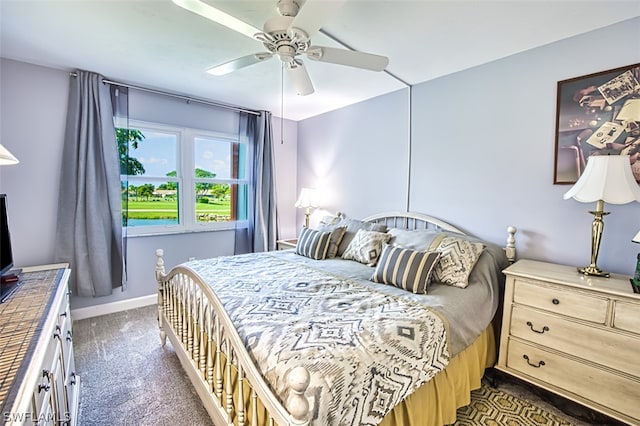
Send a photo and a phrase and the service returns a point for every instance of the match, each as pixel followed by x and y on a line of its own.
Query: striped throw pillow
pixel 405 268
pixel 313 244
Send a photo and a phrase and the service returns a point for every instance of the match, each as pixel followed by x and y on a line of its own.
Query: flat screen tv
pixel 6 253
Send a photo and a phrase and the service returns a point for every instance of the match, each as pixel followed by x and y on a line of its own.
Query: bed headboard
pixel 412 220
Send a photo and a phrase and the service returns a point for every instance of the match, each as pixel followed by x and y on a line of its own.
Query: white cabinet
pixel 575 335
pixel 38 365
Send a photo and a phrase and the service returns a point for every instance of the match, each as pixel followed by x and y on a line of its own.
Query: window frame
pixel 185 178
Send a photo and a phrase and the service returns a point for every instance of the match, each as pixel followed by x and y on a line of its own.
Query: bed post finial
pixel 161 295
pixel 297 403
pixel 159 263
pixel 510 249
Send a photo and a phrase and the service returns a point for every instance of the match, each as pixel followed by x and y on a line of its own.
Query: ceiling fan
pixel 288 36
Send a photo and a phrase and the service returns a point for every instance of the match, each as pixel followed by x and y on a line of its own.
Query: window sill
pixel 160 232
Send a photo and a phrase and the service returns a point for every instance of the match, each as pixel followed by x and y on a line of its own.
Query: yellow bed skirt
pixel 436 402
pixel 433 404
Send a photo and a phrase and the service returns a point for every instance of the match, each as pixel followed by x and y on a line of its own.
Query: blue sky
pixel 157 153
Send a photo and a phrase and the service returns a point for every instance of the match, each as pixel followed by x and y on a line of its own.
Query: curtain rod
pixel 174 95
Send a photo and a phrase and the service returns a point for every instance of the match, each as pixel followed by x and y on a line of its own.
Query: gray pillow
pixel 415 239
pixel 313 244
pixel 337 233
pixel 405 268
pixel 366 247
pixel 353 226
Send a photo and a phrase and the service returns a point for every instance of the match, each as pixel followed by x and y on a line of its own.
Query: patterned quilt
pixel 366 351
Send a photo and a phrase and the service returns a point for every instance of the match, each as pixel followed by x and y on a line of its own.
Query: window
pixel 181 179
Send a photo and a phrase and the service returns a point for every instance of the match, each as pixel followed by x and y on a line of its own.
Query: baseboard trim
pixel 113 307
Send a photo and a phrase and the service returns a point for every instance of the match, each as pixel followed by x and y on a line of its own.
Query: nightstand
pixel 575 335
pixel 286 244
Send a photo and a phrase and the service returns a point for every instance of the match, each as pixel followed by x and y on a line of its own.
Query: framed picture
pixel 597 114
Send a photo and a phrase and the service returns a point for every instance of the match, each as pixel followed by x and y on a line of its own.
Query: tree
pixel 201 187
pixel 146 190
pixel 129 165
pixel 220 190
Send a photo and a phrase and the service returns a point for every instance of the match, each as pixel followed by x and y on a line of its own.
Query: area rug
pixel 493 407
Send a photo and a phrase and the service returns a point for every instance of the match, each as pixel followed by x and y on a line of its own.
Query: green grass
pixel 168 209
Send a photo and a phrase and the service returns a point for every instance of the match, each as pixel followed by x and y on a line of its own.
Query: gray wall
pixel 32 120
pixel 357 157
pixel 482 152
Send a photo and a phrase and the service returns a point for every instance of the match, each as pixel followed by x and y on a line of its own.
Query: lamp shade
pixel 608 178
pixel 308 198
pixel 636 239
pixel 6 157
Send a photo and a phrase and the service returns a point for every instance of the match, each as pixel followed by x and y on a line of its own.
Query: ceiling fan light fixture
pixel 216 15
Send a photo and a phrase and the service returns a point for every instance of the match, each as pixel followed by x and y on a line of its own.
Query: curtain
pixel 89 231
pixel 260 233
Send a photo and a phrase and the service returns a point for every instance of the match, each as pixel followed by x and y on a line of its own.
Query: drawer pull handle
pixel 69 336
pixel 64 314
pixel 45 373
pixel 73 379
pixel 545 328
pixel 555 301
pixel 42 387
pixel 540 363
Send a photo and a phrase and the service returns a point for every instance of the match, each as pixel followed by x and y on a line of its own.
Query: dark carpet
pixel 128 379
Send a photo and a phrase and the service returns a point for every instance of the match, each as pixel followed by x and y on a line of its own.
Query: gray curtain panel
pixel 89 231
pixel 260 234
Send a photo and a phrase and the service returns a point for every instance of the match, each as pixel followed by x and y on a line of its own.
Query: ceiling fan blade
pixel 299 77
pixel 242 62
pixel 350 58
pixel 314 14
pixel 216 15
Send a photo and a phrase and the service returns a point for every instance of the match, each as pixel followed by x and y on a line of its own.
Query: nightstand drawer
pixel 613 349
pixel 555 299
pixel 626 316
pixel 615 392
pixel 286 244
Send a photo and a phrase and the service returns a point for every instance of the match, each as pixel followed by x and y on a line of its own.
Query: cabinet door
pixel 61 407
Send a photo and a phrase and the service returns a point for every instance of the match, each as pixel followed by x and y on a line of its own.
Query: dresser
pixel 39 384
pixel 575 335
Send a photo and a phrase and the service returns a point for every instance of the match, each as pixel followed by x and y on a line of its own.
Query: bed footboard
pixel 215 358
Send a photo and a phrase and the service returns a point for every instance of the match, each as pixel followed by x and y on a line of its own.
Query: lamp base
pixel 593 270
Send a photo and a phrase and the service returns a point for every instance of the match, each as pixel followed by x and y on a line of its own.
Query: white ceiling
pixel 156 44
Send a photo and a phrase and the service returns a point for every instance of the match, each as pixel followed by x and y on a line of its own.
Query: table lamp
pixel 307 200
pixel 6 157
pixel 636 276
pixel 607 178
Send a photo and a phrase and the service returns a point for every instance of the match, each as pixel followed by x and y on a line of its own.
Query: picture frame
pixel 597 114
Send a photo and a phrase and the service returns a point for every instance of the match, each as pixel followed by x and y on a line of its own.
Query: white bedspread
pixel 366 349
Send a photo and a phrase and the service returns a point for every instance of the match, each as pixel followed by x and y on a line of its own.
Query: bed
pixel 336 332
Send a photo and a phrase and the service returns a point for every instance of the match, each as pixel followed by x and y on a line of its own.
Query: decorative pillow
pixel 337 232
pixel 415 239
pixel 331 219
pixel 353 225
pixel 313 244
pixel 365 247
pixel 457 259
pixel 405 268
